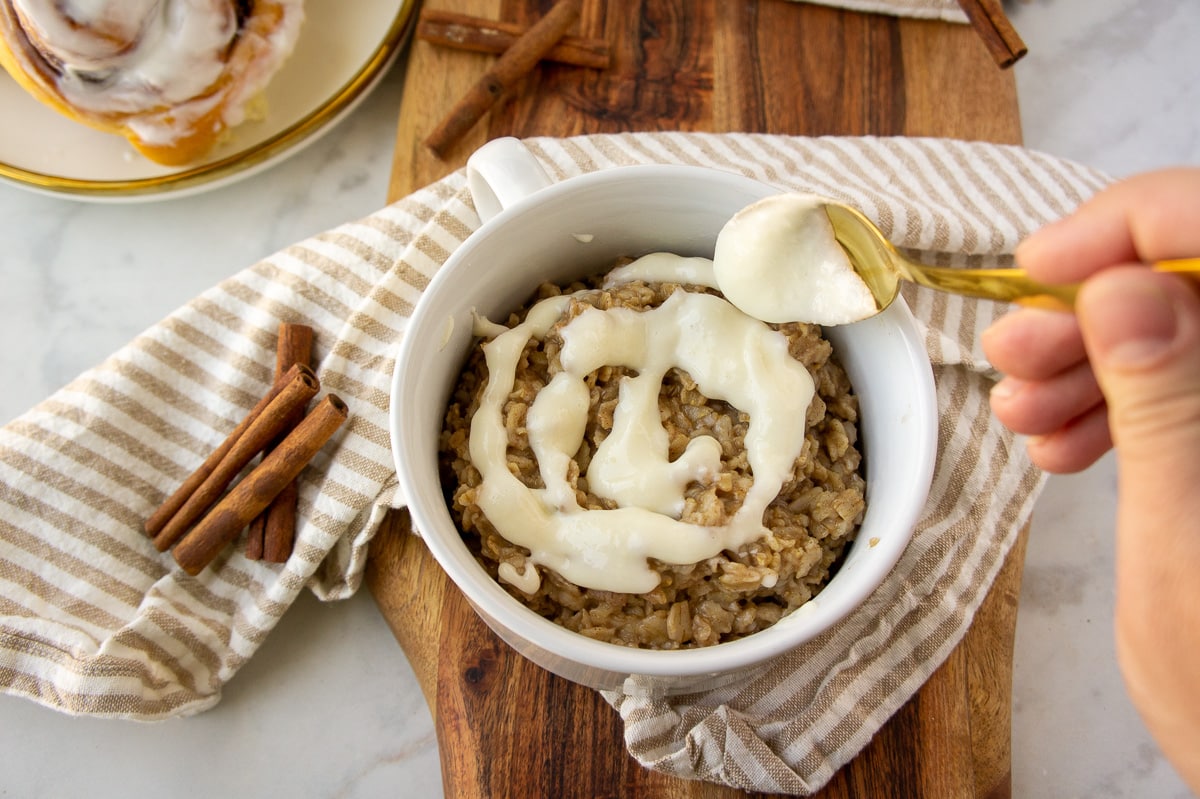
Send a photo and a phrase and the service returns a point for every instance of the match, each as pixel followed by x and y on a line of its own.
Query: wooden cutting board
pixel 506 727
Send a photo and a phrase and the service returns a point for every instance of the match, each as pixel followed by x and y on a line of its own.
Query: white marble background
pixel 1110 83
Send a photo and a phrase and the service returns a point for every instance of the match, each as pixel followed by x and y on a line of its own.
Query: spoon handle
pixel 1182 266
pixel 1007 285
pixel 1014 285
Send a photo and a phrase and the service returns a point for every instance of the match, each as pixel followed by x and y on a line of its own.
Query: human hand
pixel 1124 372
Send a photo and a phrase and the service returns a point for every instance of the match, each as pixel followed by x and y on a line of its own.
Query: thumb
pixel 1142 332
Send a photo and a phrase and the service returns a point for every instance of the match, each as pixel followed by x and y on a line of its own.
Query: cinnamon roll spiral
pixel 172 76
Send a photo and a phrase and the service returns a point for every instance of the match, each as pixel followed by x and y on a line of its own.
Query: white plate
pixel 343 51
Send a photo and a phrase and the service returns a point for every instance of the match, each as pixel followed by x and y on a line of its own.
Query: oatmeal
pixel 639 462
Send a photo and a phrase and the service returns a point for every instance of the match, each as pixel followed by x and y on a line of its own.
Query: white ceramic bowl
pixel 533 233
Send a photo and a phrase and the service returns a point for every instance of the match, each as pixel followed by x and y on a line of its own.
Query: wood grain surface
pixel 508 728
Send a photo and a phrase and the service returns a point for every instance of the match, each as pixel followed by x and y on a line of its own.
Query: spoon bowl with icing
pixel 828 263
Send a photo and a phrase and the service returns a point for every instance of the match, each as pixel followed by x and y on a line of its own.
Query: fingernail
pixel 1132 318
pixel 1007 388
pixel 1027 247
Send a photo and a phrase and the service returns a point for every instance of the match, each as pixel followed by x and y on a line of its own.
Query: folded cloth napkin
pixel 94 621
pixel 948 10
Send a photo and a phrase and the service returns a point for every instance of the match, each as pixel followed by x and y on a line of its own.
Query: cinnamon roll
pixel 172 76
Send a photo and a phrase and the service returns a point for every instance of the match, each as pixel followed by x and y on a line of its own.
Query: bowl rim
pixel 492 601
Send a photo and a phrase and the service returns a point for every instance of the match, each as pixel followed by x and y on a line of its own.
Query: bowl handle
pixel 502 172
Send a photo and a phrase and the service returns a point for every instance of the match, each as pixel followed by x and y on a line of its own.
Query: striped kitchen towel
pixel 93 620
pixel 947 10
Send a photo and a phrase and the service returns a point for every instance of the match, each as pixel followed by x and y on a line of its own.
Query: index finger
pixel 1150 217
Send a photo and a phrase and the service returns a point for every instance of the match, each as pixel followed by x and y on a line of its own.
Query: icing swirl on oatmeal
pixel 731 356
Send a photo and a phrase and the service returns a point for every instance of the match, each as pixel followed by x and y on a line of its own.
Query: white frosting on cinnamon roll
pixel 171 75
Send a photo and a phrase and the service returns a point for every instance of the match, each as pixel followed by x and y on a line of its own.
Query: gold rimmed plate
pixel 342 53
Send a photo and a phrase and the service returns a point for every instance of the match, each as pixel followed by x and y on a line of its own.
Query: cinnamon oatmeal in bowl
pixel 758 554
pixel 625 475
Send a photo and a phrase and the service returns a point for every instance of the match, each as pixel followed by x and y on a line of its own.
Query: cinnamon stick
pixel 509 68
pixel 256 536
pixel 173 503
pixel 254 492
pixel 999 36
pixel 479 35
pixel 300 386
pixel 272 532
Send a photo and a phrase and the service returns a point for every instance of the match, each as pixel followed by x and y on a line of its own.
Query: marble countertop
pixel 1110 84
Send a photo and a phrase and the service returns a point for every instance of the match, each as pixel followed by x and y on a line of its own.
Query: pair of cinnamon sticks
pixel 201 518
pixel 519 58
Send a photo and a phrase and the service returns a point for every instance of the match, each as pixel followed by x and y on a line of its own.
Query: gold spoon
pixel 882 268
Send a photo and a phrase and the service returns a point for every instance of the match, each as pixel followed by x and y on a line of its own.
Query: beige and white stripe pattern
pixel 94 620
pixel 947 10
